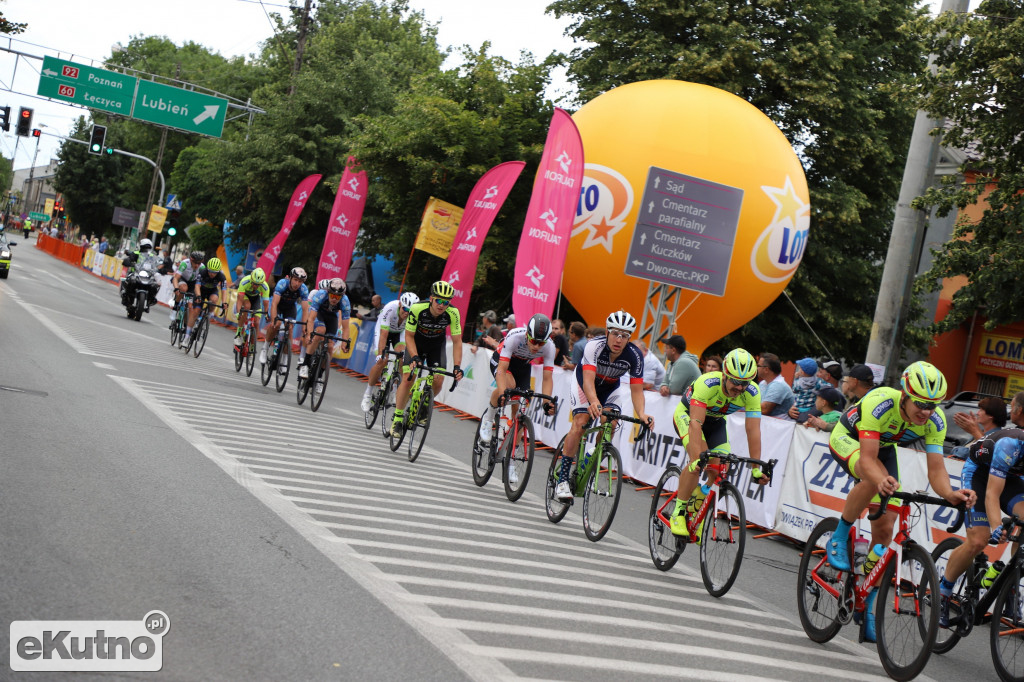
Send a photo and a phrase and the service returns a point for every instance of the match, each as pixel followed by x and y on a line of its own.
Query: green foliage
pixel 205 237
pixel 832 76
pixel 91 184
pixel 979 88
pixel 10 28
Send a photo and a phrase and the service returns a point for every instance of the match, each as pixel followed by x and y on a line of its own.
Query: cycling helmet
pixel 739 365
pixel 442 289
pixel 336 287
pixel 409 299
pixel 197 256
pixel 145 244
pixel 213 264
pixel 620 319
pixel 258 276
pixel 323 284
pixel 923 382
pixel 538 328
pixel 298 273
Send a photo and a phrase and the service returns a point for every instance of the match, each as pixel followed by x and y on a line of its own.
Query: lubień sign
pixel 685 231
pixel 87 85
pixel 185 110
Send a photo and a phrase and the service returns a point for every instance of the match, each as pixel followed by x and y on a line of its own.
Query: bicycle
pixel 384 396
pixel 598 480
pixel 517 444
pixel 247 351
pixel 197 341
pixel 180 319
pixel 968 607
pixel 279 356
pixel 319 372
pixel 906 621
pixel 723 540
pixel 421 404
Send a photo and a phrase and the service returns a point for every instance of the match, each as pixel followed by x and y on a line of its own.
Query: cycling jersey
pixel 210 280
pixel 516 347
pixel 319 302
pixel 707 392
pixel 1000 455
pixel 597 357
pixel 430 329
pixel 186 273
pixel 389 320
pixel 877 417
pixel 981 451
pixel 250 289
pixel 286 294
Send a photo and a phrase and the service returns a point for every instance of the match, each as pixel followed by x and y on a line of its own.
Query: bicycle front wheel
pixel 319 376
pixel 199 340
pixel 518 457
pixel 601 498
pixel 420 424
pixel 268 368
pixel 250 351
pixel 665 548
pixel 176 329
pixel 481 461
pixel 946 638
pixel 723 536
pixel 819 586
pixel 303 386
pixel 370 416
pixel 556 509
pixel 283 364
pixel 388 404
pixel 907 614
pixel 1007 634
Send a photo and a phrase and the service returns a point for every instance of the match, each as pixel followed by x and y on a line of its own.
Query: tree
pixel 91 184
pixel 978 88
pixel 10 27
pixel 834 77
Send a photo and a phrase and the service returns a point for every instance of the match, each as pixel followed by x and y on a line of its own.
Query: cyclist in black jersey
pixel 210 281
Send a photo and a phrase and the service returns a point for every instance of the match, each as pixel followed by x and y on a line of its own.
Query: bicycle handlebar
pixel 920 498
pixel 615 415
pixel 767 468
pixel 435 370
pixel 526 393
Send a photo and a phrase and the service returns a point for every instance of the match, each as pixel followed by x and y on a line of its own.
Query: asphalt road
pixel 286 544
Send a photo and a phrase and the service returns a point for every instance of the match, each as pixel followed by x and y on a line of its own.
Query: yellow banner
pixel 1000 355
pixel 49 207
pixel 438 227
pixel 157 217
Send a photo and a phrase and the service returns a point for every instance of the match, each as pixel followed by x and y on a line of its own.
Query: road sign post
pixel 685 232
pixel 185 110
pixel 86 85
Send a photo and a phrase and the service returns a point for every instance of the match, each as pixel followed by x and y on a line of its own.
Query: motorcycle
pixel 139 288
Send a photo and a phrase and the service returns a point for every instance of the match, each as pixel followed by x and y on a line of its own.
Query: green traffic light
pixel 171 231
pixel 95 149
pixel 109 150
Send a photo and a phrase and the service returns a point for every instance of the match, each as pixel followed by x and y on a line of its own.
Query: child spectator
pixel 828 401
pixel 806 385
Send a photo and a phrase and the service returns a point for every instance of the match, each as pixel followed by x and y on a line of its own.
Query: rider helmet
pixel 258 276
pixel 923 382
pixel 298 273
pixel 145 244
pixel 213 264
pixel 197 256
pixel 620 319
pixel 442 289
pixel 739 365
pixel 336 287
pixel 323 284
pixel 538 329
pixel 408 300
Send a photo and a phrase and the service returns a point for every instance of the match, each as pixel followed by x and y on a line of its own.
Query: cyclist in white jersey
pixel 389 333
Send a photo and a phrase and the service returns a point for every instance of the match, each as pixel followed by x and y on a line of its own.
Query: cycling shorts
pixel 846 452
pixel 204 294
pixel 714 431
pixel 434 354
pixel 286 309
pixel 578 400
pixel 329 321
pixel 976 479
pixel 519 369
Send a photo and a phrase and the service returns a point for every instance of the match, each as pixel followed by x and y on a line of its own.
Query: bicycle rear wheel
pixel 199 335
pixel 318 378
pixel 819 586
pixel 1007 634
pixel 907 614
pixel 601 497
pixel 239 358
pixel 370 416
pixel 556 509
pixel 480 460
pixel 269 368
pixel 665 548
pixel 284 363
pixel 388 404
pixel 419 424
pixel 302 389
pixel 518 457
pixel 176 328
pixel 723 537
pixel 250 351
pixel 946 638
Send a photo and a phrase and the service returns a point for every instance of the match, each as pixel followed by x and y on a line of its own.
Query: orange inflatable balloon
pixel 659 154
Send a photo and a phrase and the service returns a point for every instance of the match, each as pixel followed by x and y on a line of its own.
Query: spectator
pixel 510 323
pixel 376 305
pixel 713 364
pixel 239 274
pixel 827 402
pixel 776 395
pixel 682 368
pixel 806 385
pixel 856 385
pixel 166 264
pixel 488 333
pixel 561 342
pixel 832 372
pixel 577 332
pixel 991 416
pixel 654 372
pixel 104 244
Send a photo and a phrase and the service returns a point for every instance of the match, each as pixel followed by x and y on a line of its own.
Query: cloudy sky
pixel 86 31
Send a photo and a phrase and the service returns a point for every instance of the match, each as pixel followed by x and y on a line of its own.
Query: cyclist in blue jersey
pixel 325 307
pixel 288 293
pixel 594 381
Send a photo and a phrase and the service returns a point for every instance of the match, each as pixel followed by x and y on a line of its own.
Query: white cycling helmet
pixel 409 299
pixel 323 284
pixel 620 319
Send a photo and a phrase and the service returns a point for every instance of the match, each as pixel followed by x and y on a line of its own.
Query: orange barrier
pixel 69 253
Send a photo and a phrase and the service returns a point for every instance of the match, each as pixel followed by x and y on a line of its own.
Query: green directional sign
pixel 87 85
pixel 186 110
pixel 38 217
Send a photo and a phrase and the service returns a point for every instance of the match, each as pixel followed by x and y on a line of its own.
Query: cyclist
pixel 864 444
pixel 325 307
pixel 184 278
pixel 210 281
pixel 253 292
pixel 287 293
pixel 595 379
pixel 425 342
pixel 994 470
pixel 388 334
pixel 510 365
pixel 699 420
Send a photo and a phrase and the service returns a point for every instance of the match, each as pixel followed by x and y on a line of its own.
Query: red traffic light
pixel 26 113
pixel 36 132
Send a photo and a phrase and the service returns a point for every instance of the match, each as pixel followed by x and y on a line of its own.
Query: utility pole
pixel 303 24
pixel 905 242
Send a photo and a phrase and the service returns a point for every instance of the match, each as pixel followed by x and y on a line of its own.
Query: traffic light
pixel 24 121
pixel 171 231
pixel 99 133
pixel 36 132
pixel 5 119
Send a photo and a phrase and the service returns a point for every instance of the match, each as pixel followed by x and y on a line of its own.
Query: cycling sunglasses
pixel 738 384
pixel 443 302
pixel 924 404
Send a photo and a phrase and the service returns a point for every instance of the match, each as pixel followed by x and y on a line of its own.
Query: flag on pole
pixel 343 227
pixel 437 228
pixel 298 202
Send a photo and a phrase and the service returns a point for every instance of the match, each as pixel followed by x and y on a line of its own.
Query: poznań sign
pixel 142 100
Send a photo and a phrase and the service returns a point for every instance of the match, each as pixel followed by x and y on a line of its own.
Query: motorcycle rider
pixel 134 260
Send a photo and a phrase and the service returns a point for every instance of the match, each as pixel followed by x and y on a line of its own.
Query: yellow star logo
pixel 789 208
